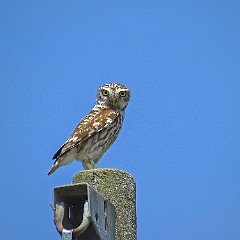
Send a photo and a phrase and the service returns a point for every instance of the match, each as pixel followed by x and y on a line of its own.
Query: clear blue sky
pixel 181 133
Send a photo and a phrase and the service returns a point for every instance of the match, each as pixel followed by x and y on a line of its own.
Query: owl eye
pixel 104 92
pixel 122 94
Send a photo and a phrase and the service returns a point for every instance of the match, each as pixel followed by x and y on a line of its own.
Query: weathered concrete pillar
pixel 119 188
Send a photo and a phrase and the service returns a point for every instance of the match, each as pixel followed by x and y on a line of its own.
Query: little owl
pixel 97 131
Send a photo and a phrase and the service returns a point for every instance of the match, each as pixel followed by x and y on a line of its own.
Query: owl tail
pixel 54 167
pixel 61 161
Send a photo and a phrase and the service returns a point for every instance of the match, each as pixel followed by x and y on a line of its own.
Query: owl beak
pixel 113 101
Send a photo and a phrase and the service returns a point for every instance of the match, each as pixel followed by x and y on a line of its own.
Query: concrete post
pixel 119 188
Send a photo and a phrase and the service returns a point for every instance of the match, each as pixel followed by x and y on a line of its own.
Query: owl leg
pixel 88 164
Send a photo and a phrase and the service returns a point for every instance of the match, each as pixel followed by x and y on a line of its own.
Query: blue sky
pixel 180 138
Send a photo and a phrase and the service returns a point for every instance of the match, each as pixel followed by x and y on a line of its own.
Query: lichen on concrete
pixel 120 189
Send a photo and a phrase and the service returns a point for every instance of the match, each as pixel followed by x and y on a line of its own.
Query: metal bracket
pixel 80 210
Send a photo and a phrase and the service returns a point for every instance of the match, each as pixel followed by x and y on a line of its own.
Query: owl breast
pixel 95 146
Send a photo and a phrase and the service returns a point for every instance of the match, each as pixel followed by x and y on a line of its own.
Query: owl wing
pixel 93 123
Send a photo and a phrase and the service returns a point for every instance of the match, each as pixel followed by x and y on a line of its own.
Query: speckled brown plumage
pixel 97 131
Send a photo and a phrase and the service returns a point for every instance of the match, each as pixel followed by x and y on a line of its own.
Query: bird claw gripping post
pixel 80 210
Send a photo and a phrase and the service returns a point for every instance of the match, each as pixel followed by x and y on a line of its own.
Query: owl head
pixel 113 95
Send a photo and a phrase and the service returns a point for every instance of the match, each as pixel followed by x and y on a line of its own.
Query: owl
pixel 97 131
